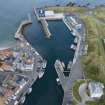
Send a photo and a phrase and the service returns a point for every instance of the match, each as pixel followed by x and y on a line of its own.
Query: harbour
pixel 47 88
pixel 61 74
pixel 49 56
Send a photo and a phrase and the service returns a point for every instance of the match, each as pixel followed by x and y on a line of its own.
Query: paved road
pixel 76 73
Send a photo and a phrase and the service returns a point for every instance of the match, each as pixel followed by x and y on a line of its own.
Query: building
pixel 49 13
pixel 95 89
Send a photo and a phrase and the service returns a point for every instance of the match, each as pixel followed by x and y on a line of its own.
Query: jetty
pixel 43 16
pixel 59 69
pixel 45 28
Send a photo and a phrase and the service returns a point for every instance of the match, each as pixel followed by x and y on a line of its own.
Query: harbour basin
pixel 46 91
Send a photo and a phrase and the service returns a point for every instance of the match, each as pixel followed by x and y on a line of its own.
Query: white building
pixel 95 89
pixel 49 13
pixel 25 67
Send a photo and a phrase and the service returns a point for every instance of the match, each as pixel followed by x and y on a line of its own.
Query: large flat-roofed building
pixel 49 13
pixel 95 89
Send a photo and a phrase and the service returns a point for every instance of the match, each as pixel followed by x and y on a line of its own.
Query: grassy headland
pixel 99 13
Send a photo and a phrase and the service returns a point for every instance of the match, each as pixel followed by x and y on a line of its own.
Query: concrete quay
pixel 56 16
pixel 76 70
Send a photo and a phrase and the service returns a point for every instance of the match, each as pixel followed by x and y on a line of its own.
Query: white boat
pixel 73 33
pixel 44 64
pixel 16 102
pixel 63 65
pixel 58 81
pixel 76 40
pixel 73 47
pixel 41 74
pixel 29 90
pixel 36 53
pixel 22 100
pixel 69 65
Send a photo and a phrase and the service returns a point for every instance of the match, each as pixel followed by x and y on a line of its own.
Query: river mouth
pixel 57 47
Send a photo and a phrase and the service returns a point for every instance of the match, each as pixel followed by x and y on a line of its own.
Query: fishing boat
pixel 73 47
pixel 58 81
pixel 41 74
pixel 69 65
pixel 29 90
pixel 44 64
pixel 22 100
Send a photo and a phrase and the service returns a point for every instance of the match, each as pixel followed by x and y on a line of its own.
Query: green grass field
pixel 94 62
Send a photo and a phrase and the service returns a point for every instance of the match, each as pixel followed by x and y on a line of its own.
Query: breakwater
pixel 18 34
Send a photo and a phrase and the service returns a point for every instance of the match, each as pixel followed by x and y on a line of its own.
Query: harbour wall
pixel 19 32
